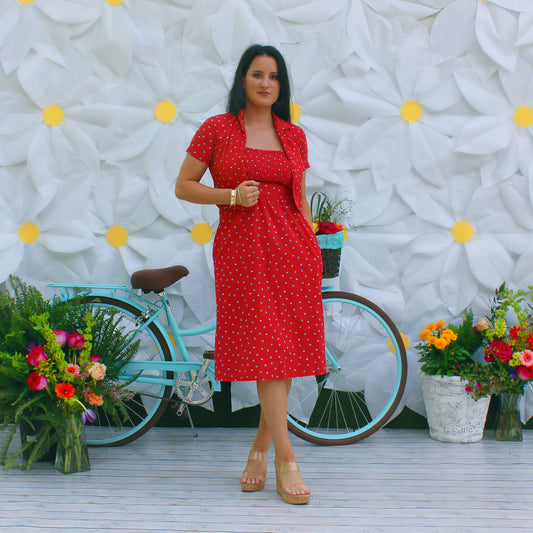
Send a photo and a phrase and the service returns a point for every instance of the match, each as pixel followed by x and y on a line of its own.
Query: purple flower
pixel 88 417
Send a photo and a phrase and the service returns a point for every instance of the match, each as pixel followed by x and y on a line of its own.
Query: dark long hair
pixel 237 95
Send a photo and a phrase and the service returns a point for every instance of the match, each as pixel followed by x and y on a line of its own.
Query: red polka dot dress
pixel 268 267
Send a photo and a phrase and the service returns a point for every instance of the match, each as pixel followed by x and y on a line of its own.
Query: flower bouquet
pixel 508 354
pixel 50 379
pixel 330 232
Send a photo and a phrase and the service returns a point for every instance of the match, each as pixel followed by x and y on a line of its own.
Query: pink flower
pixel 61 336
pixel 95 358
pixel 525 372
pixel 36 381
pixel 36 356
pixel 468 388
pixel 73 369
pixel 75 340
pixel 526 358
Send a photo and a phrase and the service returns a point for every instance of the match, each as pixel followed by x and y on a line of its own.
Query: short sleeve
pixel 203 143
pixel 302 145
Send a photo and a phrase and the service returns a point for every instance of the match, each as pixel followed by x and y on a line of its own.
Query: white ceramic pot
pixel 453 415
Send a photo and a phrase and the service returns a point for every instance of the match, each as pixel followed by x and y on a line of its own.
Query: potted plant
pixel 454 414
pixel 57 360
pixel 328 216
pixel 508 354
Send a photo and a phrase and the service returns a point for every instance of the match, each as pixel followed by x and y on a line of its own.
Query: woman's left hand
pixel 247 193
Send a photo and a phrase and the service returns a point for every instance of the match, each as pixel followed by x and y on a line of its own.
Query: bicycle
pixel 338 407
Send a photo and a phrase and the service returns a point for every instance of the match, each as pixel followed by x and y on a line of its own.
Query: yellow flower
pixel 439 324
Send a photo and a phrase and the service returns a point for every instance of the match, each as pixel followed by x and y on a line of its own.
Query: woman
pixel 267 261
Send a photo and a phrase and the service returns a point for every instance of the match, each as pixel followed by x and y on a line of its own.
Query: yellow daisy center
pixel 462 231
pixel 53 115
pixel 114 2
pixel 117 236
pixel 411 111
pixel 201 233
pixel 523 116
pixel 405 342
pixel 295 112
pixel 26 2
pixel 165 111
pixel 28 233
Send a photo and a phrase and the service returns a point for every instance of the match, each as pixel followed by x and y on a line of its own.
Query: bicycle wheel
pixel 148 398
pixel 365 379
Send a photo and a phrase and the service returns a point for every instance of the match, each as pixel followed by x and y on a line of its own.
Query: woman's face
pixel 261 83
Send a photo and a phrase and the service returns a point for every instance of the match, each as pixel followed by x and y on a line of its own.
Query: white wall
pixel 87 185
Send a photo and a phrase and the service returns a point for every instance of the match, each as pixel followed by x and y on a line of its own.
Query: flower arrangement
pixel 508 347
pixel 331 233
pixel 328 213
pixel 58 362
pixel 445 351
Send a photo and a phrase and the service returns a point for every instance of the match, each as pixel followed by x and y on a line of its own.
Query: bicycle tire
pixel 356 398
pixel 150 400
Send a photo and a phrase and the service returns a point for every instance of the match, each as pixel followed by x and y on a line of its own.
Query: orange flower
pixel 64 390
pixel 94 399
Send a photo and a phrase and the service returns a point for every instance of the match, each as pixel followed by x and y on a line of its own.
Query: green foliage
pixel 326 209
pixel 21 302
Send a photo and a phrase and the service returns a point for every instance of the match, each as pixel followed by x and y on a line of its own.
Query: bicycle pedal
pixel 209 354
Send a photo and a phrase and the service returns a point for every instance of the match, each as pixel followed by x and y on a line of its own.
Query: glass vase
pixel 507 424
pixel 72 453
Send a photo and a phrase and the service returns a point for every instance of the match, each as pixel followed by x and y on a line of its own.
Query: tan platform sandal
pixel 286 490
pixel 246 486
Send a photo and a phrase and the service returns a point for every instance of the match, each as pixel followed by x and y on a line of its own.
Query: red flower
pixel 36 356
pixel 488 356
pixel 64 390
pixel 514 332
pixel 75 340
pixel 530 340
pixel 524 372
pixel 501 350
pixel 327 228
pixel 36 381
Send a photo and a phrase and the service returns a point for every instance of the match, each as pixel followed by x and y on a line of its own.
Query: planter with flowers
pixel 330 232
pixel 453 413
pixel 57 361
pixel 508 354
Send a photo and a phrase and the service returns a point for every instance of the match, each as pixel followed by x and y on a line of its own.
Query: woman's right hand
pixel 247 193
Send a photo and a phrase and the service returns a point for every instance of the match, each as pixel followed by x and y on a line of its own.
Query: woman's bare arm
pixel 189 188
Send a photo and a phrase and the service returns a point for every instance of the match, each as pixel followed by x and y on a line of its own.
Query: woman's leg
pixel 254 474
pixel 273 396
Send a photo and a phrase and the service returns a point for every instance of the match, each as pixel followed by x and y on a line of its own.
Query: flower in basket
pixel 445 351
pixel 329 229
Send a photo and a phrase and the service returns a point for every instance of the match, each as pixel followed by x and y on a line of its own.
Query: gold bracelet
pixel 233 197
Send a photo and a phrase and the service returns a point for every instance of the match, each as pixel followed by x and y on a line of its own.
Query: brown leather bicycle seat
pixel 157 279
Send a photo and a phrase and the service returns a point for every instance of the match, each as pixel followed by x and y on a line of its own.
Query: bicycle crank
pixel 195 387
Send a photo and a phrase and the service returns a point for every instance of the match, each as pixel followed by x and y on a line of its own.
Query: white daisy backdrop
pixel 421 111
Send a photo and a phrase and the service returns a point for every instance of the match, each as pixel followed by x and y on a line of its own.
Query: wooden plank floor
pixel 398 480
